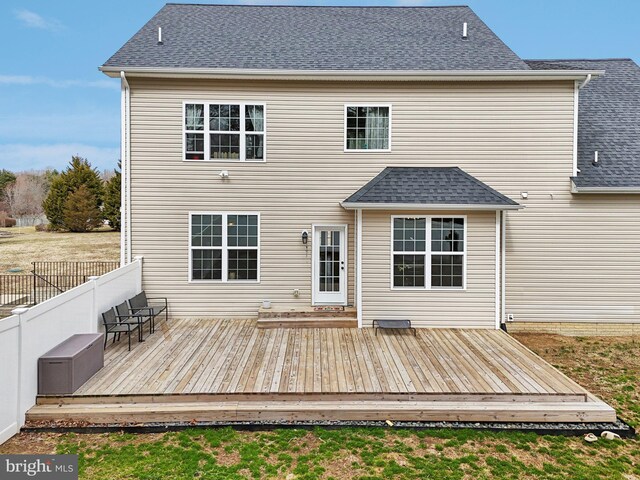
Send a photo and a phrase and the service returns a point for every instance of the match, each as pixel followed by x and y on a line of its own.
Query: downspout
pixel 123 166
pixel 576 96
pixel 126 167
pixel 359 266
pixel 585 82
pixel 503 264
pixel 498 275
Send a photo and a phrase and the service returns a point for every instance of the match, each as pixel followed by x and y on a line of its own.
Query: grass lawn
pixel 607 366
pixel 21 246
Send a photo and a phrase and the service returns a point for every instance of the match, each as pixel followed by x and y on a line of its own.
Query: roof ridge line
pixel 317 6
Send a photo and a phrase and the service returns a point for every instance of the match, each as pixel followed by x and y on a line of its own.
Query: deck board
pixel 228 357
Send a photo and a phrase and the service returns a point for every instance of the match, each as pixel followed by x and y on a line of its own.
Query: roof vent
pixel 595 158
pixel 464 31
pixel 159 35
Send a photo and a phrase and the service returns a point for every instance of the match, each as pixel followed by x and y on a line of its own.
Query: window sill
pixel 428 289
pixel 232 282
pixel 223 161
pixel 350 150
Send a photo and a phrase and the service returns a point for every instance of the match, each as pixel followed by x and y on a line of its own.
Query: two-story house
pixel 398 162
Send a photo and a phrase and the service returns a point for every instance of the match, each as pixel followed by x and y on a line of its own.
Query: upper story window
pixel 367 128
pixel 224 131
pixel 422 263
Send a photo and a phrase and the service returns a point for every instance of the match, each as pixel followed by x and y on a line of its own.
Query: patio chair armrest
pixel 137 310
pixel 117 324
pixel 130 316
pixel 159 298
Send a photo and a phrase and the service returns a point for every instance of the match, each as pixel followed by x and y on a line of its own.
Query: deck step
pixel 135 398
pixel 314 312
pixel 307 322
pixel 140 413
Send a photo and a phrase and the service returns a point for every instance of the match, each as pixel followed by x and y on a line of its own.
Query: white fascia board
pixel 426 206
pixel 358 75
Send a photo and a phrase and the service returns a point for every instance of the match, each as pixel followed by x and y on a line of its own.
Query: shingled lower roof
pixel 608 121
pixel 315 38
pixel 428 187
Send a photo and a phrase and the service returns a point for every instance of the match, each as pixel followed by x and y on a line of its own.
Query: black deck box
pixel 63 369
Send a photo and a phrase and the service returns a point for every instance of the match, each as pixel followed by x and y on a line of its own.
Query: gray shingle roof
pixel 316 38
pixel 428 186
pixel 608 121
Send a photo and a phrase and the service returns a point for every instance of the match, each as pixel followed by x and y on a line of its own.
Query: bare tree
pixel 107 174
pixel 25 196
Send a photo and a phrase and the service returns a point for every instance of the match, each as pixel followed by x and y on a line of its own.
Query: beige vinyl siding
pixel 515 136
pixel 473 307
pixel 575 259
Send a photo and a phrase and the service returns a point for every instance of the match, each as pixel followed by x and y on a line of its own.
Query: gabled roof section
pixel 315 38
pixel 428 187
pixel 609 122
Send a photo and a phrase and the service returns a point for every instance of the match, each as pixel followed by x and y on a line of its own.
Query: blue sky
pixel 54 103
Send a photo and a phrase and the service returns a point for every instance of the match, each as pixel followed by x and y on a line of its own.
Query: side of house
pixel 239 182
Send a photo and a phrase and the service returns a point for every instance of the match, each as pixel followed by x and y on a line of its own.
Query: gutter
pixel 603 190
pixel 357 75
pixel 426 206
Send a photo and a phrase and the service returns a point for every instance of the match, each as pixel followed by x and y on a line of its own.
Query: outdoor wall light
pixel 305 237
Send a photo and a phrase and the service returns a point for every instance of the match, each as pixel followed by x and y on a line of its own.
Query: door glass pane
pixel 329 261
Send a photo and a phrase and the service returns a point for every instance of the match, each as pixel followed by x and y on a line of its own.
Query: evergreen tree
pixel 111 205
pixel 78 173
pixel 6 177
pixel 80 213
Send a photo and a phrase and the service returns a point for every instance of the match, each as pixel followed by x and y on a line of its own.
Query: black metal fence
pixel 15 289
pixel 47 280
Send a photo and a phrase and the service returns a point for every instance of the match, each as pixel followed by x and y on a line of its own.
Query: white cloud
pixel 33 20
pixel 30 80
pixel 21 156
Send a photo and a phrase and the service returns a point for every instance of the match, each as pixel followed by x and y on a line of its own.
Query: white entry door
pixel 330 265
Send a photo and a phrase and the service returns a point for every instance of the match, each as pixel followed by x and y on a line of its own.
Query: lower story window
pixel 224 246
pixel 446 271
pixel 421 264
pixel 408 270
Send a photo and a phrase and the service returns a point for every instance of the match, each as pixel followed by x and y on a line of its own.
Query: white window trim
pixel 207 132
pixel 224 247
pixel 366 150
pixel 428 253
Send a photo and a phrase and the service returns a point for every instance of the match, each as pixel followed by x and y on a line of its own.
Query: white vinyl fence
pixel 31 332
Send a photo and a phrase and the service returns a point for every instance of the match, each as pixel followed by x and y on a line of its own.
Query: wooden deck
pixel 232 370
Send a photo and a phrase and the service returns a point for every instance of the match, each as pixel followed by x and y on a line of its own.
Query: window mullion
pixel 242 133
pixel 207 135
pixel 427 253
pixel 225 256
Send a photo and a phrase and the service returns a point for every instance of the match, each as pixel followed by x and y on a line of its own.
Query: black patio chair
pixel 143 305
pixel 123 314
pixel 112 325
